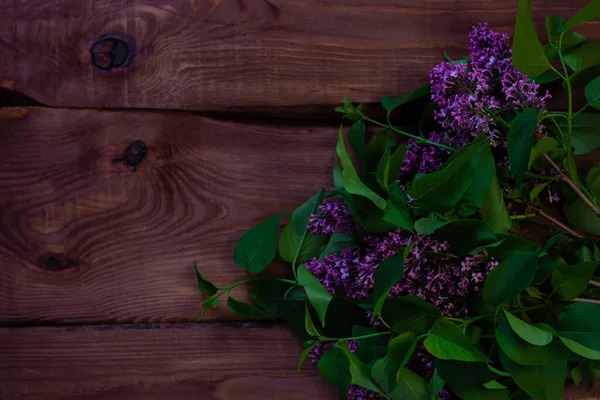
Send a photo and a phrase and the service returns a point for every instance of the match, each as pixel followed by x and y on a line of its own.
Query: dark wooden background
pixel 234 100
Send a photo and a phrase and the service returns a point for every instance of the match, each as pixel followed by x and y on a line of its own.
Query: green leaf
pixel 443 189
pixel 293 317
pixel 337 243
pixel 397 212
pixel 483 178
pixel 510 277
pixel 527 50
pixel 592 93
pixel 580 329
pixel 520 140
pixel 396 161
pixel 468 380
pixel 493 210
pixel 581 217
pixel 589 12
pixel 309 324
pixel 306 348
pixel 246 310
pixel 436 383
pixel 521 351
pixel 543 382
pixel 494 385
pixel 399 351
pixel 527 332
pixel 410 386
pixel 338 180
pixel 391 103
pixel 569 281
pixel 447 342
pixel 359 371
pixel 356 136
pixel 334 367
pixel 383 170
pixel 376 147
pixel 555 26
pixel 387 274
pixel 424 226
pixel 543 146
pixel 317 294
pixel 464 235
pixel 535 192
pixel 409 314
pixel 352 182
pixel 211 302
pixel 257 247
pixel 204 286
pixel 269 295
pixel 294 234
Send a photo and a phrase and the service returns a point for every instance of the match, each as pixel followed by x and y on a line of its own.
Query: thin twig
pixel 558 223
pixel 565 178
pixel 586 300
pixel 595 283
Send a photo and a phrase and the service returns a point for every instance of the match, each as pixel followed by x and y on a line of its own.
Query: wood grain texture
pixel 240 54
pixel 175 362
pixel 85 240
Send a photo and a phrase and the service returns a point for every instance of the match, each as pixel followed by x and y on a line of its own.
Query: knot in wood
pixel 134 154
pixel 57 262
pixel 110 53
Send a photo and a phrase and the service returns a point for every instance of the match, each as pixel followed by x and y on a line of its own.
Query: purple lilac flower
pixel 471 97
pixel 423 158
pixel 332 217
pixel 429 273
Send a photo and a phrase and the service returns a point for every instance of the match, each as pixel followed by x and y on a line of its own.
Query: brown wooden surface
pixel 223 54
pixel 174 362
pixel 84 240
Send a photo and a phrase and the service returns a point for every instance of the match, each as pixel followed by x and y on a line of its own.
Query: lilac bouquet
pixel 409 279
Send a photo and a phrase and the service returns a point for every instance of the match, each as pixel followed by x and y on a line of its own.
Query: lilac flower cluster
pixel 472 98
pixel 430 273
pixel 332 217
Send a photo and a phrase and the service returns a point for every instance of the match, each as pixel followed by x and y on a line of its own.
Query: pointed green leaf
pixel 569 281
pixel 493 210
pixel 589 12
pixel 521 351
pixel 510 277
pixel 409 314
pixel 397 213
pixel 356 136
pixel 317 294
pixel 520 141
pixel 527 332
pixel 399 351
pixel 294 234
pixel 592 93
pixel 246 310
pixel 447 342
pixel 337 243
pixel 204 286
pixel 396 161
pixel 580 329
pixel 309 324
pixel 383 170
pixel 410 386
pixel 391 103
pixel 535 192
pixel 352 182
pixel 359 371
pixel 387 274
pixel 270 295
pixel 258 246
pixel 543 382
pixel 334 367
pixel 306 348
pixel 527 50
pixel 436 383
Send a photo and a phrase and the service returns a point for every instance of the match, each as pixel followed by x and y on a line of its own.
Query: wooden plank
pixel 239 54
pixel 181 361
pixel 86 240
pixel 227 361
